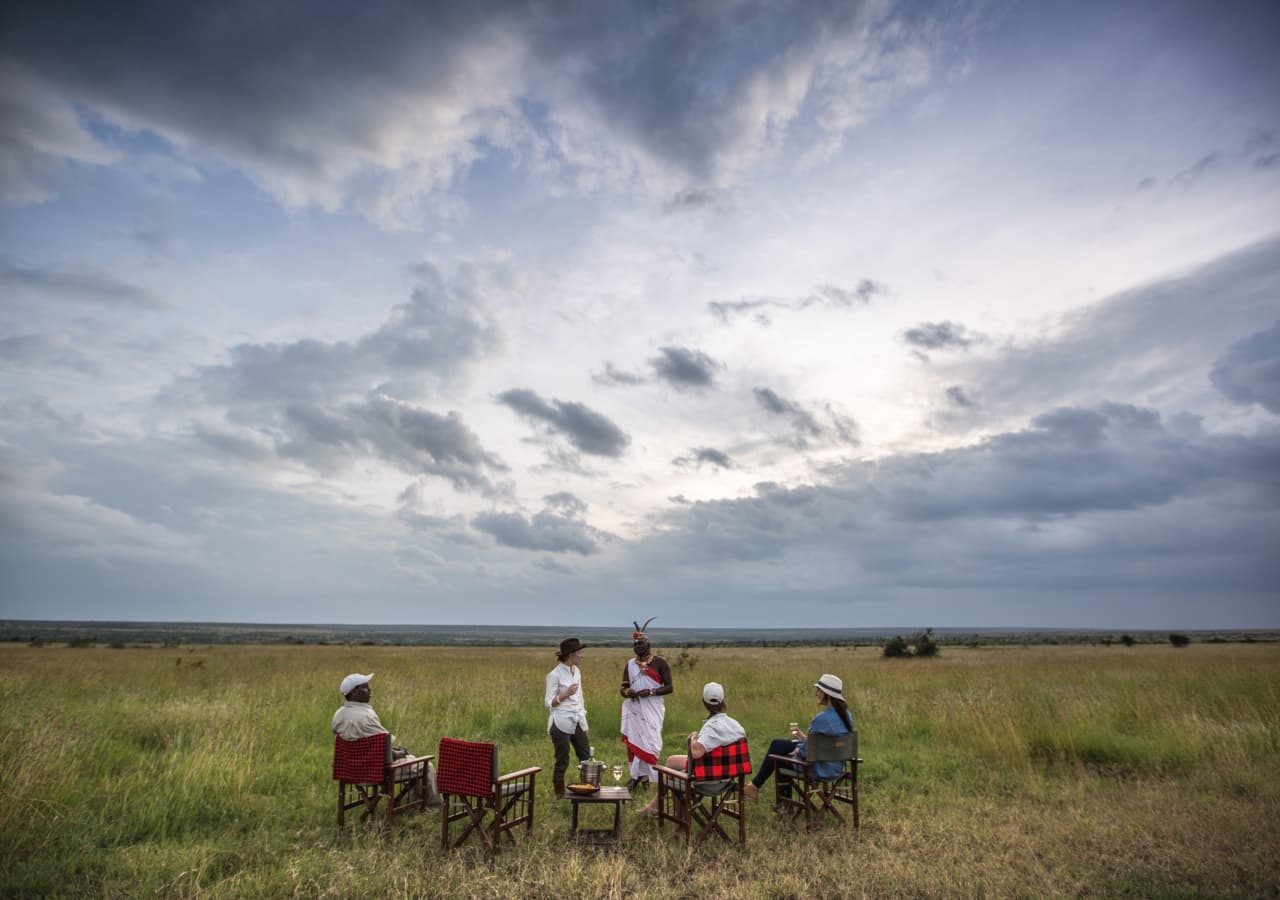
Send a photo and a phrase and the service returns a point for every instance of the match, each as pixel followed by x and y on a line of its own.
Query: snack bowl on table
pixel 583 789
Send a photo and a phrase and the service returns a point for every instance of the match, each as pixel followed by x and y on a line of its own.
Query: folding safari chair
pixel 366 773
pixel 471 789
pixel 798 791
pixel 709 791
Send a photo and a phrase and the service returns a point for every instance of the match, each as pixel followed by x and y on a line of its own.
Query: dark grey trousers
pixel 561 740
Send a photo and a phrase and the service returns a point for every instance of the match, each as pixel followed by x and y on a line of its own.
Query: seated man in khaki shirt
pixel 356 719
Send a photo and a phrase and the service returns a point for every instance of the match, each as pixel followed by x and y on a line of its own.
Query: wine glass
pixel 617 774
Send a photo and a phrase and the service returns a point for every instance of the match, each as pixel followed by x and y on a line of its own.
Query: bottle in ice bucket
pixel 591 769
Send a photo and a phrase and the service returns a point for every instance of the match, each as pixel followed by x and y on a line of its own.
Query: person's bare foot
pixel 751 792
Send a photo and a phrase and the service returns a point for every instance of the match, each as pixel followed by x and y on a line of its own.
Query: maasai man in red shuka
pixel 646 679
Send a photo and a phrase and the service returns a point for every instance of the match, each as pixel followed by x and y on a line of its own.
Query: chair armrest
pixel 674 773
pixel 512 776
pixel 410 760
pixel 790 761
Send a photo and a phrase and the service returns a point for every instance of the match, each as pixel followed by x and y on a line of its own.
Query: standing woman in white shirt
pixel 567 723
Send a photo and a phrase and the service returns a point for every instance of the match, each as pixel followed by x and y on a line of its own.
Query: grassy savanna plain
pixel 1010 771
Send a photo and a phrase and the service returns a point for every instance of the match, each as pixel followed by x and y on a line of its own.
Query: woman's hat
pixel 570 645
pixel 831 685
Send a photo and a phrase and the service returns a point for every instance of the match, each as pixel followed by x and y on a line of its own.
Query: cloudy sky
pixel 851 314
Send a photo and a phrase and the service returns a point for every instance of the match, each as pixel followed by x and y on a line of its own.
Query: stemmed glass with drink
pixel 617 774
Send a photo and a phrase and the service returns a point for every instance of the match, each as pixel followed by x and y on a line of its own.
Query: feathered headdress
pixel 639 632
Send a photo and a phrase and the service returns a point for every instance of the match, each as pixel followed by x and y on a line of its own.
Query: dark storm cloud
pixel 1105 495
pixel 804 424
pixel 957 396
pixel 685 369
pixel 697 456
pixel 828 296
pixel 584 428
pixel 565 503
pixel 834 295
pixel 939 336
pixel 297 108
pixel 415 440
pixel 1162 337
pixel 695 90
pixel 758 309
pixel 435 335
pixel 1249 372
pixel 543 532
pixel 613 375
pixel 56 283
pixel 295 102
pixel 801 419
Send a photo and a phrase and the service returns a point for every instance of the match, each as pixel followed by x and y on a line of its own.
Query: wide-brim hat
pixel 353 681
pixel 570 645
pixel 831 685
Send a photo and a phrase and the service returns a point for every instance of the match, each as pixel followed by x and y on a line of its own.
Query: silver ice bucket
pixel 589 772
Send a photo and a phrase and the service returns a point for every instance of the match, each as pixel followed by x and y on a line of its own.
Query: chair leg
pixel 444 821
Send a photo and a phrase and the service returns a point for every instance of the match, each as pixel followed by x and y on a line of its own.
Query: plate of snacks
pixel 583 788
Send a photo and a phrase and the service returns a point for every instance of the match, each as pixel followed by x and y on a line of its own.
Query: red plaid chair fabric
pixel 471 789
pixel 363 761
pixel 724 762
pixel 366 773
pixel 798 791
pixel 710 791
pixel 467 767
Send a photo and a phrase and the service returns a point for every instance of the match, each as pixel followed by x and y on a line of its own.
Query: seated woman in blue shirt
pixel 833 718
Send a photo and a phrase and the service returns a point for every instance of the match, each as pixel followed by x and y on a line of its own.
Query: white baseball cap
pixel 713 693
pixel 353 681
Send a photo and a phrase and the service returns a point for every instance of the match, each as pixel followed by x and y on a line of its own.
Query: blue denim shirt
pixel 826 722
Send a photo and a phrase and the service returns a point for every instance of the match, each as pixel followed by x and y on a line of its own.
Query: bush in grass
pixel 895 646
pixel 1127 640
pixel 1179 640
pixel 921 644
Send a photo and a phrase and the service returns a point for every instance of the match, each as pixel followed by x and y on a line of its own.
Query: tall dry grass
pixel 1044 771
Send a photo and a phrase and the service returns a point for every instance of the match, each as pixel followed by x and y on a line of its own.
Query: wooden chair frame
pixel 402 781
pixel 507 801
pixel 684 800
pixel 798 791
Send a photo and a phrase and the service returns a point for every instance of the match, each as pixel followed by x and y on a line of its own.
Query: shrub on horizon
pixel 921 644
pixel 1179 640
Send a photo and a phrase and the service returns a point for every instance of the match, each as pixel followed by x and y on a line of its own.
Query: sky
pixel 850 314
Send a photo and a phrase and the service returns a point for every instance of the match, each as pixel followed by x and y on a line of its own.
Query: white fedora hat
pixel 831 685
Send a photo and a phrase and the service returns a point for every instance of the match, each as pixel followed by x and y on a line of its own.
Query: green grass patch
pixel 1040 771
